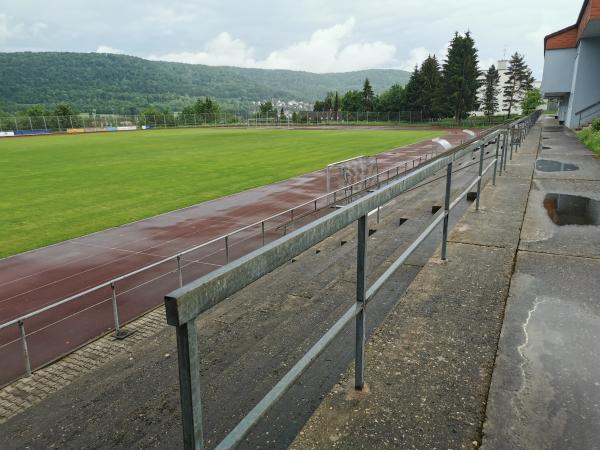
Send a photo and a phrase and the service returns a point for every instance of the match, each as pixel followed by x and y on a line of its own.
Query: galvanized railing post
pixel 189 385
pixel 512 141
pixel 496 160
pixel 503 136
pixel 481 152
pixel 180 274
pixel 361 295
pixel 522 135
pixel 506 143
pixel 446 209
pixel 24 347
pixel 227 249
pixel 115 309
pixel 262 226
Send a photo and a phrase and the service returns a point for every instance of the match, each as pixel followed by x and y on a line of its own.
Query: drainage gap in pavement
pixel 545 147
pixel 435 208
pixel 372 231
pixel 564 209
pixel 402 221
pixel 549 165
pixel 471 196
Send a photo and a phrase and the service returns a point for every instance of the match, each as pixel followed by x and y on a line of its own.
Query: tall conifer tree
pixel 518 83
pixel 413 90
pixel 430 85
pixel 460 77
pixel 368 96
pixel 490 95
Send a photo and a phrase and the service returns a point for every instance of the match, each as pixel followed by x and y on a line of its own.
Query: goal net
pixel 343 174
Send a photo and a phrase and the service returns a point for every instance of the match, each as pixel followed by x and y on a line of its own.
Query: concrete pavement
pixel 545 392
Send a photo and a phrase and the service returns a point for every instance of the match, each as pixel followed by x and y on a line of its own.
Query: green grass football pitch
pixel 55 188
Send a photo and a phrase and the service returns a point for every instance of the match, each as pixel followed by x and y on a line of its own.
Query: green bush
pixel 596 124
pixel 591 138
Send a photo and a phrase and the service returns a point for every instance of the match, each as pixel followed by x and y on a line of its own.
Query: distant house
pixel 572 68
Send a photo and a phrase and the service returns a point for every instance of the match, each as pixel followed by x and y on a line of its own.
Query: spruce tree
pixel 336 105
pixel 368 96
pixel 519 82
pixel 460 77
pixel 413 90
pixel 430 82
pixel 490 94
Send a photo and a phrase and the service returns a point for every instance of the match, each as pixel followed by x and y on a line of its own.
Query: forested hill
pixel 107 82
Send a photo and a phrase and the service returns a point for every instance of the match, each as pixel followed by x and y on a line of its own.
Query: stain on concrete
pixel 548 165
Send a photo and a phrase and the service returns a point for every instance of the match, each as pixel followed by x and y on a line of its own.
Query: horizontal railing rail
pixel 185 304
pixel 587 108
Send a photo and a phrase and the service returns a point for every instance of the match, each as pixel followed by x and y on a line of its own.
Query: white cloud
pixel 327 50
pixel 415 58
pixel 419 54
pixel 107 49
pixel 224 50
pixel 11 30
pixel 485 64
pixel 3 27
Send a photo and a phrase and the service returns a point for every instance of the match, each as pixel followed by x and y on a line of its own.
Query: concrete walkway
pixel 545 390
pixel 430 364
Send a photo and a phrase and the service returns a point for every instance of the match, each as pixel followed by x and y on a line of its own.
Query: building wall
pixel 585 86
pixel 558 71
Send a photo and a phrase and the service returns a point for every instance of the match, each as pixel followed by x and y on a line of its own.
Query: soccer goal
pixel 343 174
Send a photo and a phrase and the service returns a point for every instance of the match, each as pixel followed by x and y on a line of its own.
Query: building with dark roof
pixel 572 68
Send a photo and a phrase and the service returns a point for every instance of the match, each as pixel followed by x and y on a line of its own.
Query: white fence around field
pixel 84 123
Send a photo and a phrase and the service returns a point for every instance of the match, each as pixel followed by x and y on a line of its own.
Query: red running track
pixel 32 280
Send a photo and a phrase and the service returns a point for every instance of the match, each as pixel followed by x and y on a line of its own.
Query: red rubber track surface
pixel 34 279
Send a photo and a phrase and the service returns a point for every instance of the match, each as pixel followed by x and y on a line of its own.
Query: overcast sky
pixel 313 35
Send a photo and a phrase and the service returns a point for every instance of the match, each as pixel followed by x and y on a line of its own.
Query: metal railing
pixel 184 305
pixel 587 108
pixel 285 221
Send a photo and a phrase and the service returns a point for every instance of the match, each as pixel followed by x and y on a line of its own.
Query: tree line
pixel 122 84
pixel 451 89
